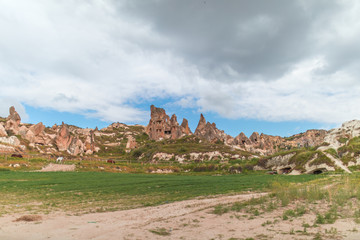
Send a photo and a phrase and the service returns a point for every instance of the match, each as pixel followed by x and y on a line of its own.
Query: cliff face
pixel 162 127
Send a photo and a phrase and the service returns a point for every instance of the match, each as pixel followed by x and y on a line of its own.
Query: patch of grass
pixel 333 152
pixel 160 231
pixel 317 236
pixel 301 158
pixel 220 210
pixel 343 140
pixel 299 211
pixel 352 146
pixel 86 191
pixel 320 159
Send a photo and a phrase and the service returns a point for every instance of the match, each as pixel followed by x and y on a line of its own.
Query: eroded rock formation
pixel 13 121
pixel 14 116
pixel 63 138
pixel 162 127
pixel 131 143
pixel 3 132
pixel 209 131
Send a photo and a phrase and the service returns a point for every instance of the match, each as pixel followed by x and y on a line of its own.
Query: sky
pixel 279 67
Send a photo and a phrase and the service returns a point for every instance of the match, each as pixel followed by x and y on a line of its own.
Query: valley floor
pixel 190 219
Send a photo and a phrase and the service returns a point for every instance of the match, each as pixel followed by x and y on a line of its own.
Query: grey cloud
pixel 273 60
pixel 261 37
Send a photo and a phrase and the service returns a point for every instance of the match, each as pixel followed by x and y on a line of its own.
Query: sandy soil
pixel 191 219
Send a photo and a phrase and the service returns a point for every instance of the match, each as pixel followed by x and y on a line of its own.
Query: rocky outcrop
pixel 14 116
pixel 267 144
pixel 310 138
pixel 13 121
pixel 63 138
pixel 242 140
pixel 162 127
pixel 338 137
pixel 36 135
pixel 13 141
pixel 209 131
pixel 89 144
pixel 76 147
pixel 131 143
pixel 113 126
pixel 185 127
pixel 3 132
pixel 195 156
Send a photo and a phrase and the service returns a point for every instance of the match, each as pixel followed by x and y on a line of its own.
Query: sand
pixel 191 219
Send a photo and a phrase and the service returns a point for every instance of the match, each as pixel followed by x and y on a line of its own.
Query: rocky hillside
pixel 340 150
pixel 164 139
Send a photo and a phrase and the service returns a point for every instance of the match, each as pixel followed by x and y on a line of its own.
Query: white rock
pixel 3 132
pixel 14 141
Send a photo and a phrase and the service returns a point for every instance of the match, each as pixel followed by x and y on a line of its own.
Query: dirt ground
pixel 191 219
pixel 52 167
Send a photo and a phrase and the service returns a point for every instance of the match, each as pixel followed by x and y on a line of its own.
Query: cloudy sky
pixel 249 65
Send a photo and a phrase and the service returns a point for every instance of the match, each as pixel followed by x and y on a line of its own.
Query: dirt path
pixel 128 224
pixel 191 219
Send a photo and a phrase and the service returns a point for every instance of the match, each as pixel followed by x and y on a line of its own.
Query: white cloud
pixel 96 58
pixel 6 103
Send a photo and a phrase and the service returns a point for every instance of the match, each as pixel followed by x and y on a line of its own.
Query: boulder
pixel 37 129
pixel 3 132
pixel 12 126
pixel 13 141
pixel 131 143
pixel 63 138
pixel 22 131
pixel 14 116
pixel 76 147
pixel 13 121
pixel 30 136
pixel 36 134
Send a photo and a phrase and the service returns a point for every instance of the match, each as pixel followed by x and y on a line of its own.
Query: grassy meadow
pixel 83 192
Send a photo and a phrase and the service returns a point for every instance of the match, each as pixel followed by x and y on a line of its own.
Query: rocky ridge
pixel 337 148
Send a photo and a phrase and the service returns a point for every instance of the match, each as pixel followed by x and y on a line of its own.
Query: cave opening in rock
pixel 285 170
pixel 318 171
pixel 167 132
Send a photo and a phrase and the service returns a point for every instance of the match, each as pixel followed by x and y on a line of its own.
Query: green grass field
pixel 82 192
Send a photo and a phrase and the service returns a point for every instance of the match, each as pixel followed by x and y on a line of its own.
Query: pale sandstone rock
pixel 163 156
pixel 22 131
pixel 6 149
pixel 13 141
pixel 3 132
pixel 131 143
